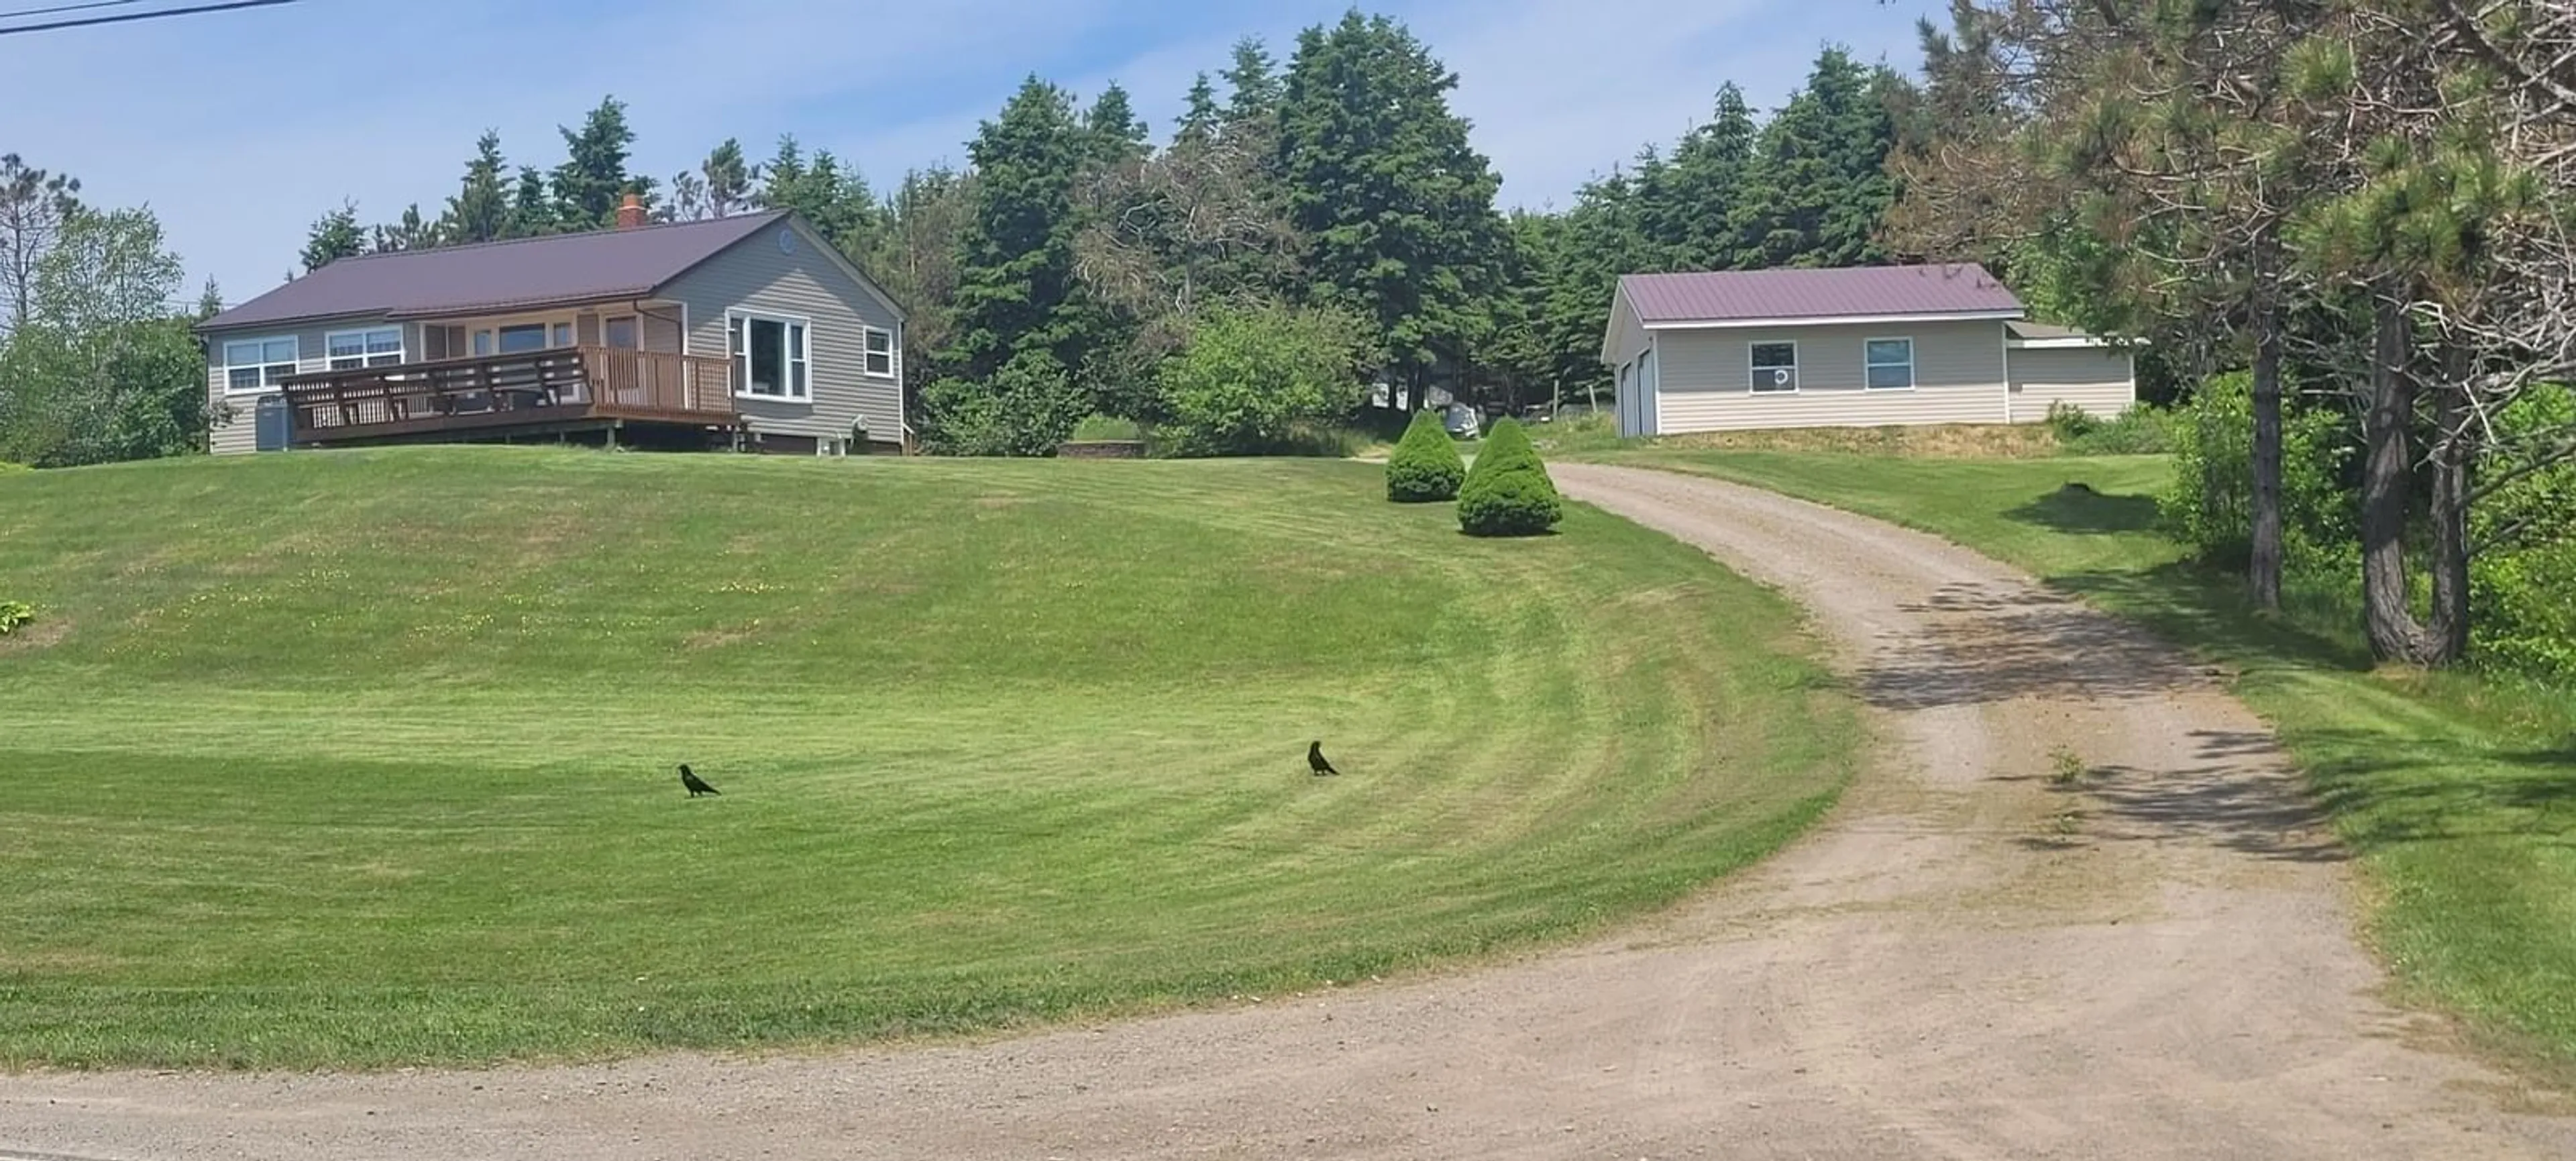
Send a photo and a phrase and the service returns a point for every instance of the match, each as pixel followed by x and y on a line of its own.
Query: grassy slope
pixel 366 758
pixel 2458 794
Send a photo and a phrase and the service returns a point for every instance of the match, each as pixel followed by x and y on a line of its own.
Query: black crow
pixel 1315 760
pixel 696 785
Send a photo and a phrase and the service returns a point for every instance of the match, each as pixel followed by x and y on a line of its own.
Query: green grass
pixel 365 759
pixel 2456 792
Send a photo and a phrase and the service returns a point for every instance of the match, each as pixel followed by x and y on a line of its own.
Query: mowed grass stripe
pixel 365 759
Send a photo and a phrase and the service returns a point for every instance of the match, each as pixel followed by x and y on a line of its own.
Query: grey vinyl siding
pixel 2100 380
pixel 239 432
pixel 754 276
pixel 1703 378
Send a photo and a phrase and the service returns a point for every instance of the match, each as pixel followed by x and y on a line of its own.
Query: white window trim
pixel 265 386
pixel 1797 368
pixel 742 390
pixel 893 351
pixel 1911 381
pixel 496 323
pixel 365 357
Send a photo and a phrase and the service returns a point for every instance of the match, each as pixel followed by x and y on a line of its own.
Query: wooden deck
pixel 566 389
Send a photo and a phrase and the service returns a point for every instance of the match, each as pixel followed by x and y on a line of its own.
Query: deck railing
pixel 497 391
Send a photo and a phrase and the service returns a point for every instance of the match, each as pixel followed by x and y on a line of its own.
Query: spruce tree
pixel 1396 206
pixel 1818 185
pixel 1015 269
pixel 593 179
pixel 479 210
pixel 335 236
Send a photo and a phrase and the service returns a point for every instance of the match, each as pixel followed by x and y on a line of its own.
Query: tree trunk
pixel 2454 460
pixel 2263 572
pixel 2386 481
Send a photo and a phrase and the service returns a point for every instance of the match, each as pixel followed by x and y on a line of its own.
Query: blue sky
pixel 240 128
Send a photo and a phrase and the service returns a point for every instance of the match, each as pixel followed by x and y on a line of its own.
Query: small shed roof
pixel 1859 292
pixel 523 272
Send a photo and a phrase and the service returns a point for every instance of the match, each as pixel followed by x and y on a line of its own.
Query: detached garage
pixel 1860 347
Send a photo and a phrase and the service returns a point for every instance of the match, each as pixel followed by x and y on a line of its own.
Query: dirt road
pixel 1954 966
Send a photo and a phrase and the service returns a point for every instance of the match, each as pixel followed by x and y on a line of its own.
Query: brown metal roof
pixel 523 272
pixel 1852 292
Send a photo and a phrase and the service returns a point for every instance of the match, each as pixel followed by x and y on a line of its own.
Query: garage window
pixel 1891 364
pixel 1775 367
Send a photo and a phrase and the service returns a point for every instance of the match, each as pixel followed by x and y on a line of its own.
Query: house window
pixel 1775 367
pixel 1891 364
pixel 771 356
pixel 378 347
pixel 258 364
pixel 622 333
pixel 880 353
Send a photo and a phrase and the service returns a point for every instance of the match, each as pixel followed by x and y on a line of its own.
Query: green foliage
pixel 1253 375
pixel 2523 580
pixel 1015 284
pixel 479 210
pixel 1029 406
pixel 2141 430
pixel 961 713
pixel 103 370
pixel 336 235
pixel 14 614
pixel 2209 508
pixel 1817 185
pixel 1396 207
pixel 1108 428
pixel 593 179
pixel 1508 492
pixel 832 196
pixel 1424 468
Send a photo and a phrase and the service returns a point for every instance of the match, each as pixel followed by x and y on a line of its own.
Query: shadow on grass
pixel 2076 508
pixel 2189 602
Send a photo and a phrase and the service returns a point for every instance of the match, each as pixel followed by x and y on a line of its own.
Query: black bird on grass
pixel 696 785
pixel 1315 760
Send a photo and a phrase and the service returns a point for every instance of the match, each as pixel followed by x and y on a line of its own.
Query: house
pixel 746 331
pixel 1858 347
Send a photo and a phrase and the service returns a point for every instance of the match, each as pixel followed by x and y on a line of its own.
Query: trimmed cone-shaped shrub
pixel 1425 466
pixel 1508 493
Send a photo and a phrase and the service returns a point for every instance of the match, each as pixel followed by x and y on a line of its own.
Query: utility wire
pixel 122 17
pixel 69 8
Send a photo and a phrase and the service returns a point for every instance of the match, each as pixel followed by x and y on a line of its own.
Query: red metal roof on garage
pixel 1852 292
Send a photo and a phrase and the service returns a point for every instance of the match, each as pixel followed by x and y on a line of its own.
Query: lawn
pixel 2457 793
pixel 364 759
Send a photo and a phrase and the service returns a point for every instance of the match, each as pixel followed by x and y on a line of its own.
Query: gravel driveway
pixel 1965 961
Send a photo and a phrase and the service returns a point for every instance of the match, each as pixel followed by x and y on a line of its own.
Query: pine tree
pixel 1397 208
pixel 1817 185
pixel 335 236
pixel 409 232
pixel 1705 184
pixel 479 210
pixel 1015 270
pixel 835 200
pixel 1199 113
pixel 593 180
pixel 1253 86
pixel 532 213
pixel 1117 136
pixel 727 179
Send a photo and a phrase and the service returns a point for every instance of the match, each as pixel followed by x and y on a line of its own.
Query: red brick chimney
pixel 630 215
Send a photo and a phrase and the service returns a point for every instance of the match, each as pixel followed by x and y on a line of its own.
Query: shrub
pixel 2140 431
pixel 2210 508
pixel 1107 427
pixel 13 614
pixel 1031 405
pixel 2523 581
pixel 1254 375
pixel 1508 493
pixel 1424 466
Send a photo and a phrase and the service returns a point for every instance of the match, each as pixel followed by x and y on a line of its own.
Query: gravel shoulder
pixel 1967 960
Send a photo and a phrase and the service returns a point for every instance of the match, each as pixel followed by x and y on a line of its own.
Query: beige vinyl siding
pixel 2101 380
pixel 752 275
pixel 1703 378
pixel 240 432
